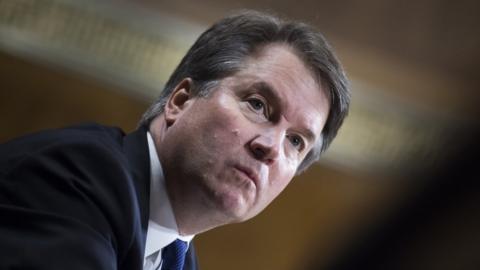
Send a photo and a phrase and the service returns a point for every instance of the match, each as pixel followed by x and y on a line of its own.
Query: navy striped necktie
pixel 173 255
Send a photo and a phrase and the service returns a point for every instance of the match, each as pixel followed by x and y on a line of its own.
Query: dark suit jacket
pixel 75 198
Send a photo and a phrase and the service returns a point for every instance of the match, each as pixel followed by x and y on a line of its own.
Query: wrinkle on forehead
pixel 271 50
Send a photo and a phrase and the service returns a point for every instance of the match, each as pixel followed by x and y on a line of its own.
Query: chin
pixel 233 207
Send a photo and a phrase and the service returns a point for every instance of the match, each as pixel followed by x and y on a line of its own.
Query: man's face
pixel 237 149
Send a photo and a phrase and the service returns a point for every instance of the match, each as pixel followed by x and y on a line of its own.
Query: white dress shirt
pixel 162 227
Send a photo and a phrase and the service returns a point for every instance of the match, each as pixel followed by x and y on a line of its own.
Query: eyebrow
pixel 268 90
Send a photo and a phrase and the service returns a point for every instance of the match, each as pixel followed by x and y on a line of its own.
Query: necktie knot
pixel 173 255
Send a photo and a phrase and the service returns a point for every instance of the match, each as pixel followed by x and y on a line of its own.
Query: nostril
pixel 259 152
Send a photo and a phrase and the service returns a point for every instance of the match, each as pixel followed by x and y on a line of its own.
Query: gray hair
pixel 221 50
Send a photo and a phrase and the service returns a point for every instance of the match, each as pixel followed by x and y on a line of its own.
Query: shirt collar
pixel 162 227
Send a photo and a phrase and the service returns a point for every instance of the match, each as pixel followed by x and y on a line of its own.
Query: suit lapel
pixel 135 146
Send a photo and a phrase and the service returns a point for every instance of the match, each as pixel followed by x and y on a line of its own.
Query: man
pixel 254 102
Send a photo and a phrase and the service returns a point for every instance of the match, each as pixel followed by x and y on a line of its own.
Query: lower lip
pixel 245 175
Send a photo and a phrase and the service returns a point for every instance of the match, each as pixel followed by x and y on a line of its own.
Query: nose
pixel 266 147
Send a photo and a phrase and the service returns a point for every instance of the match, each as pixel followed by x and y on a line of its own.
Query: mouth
pixel 249 173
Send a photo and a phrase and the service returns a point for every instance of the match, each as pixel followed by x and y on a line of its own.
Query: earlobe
pixel 178 101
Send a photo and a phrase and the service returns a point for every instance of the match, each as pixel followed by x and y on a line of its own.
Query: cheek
pixel 223 128
pixel 283 171
pixel 279 179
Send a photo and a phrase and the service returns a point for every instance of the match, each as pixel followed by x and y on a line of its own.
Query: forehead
pixel 303 100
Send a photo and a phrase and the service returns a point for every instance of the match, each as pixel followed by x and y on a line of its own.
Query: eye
pixel 258 105
pixel 296 142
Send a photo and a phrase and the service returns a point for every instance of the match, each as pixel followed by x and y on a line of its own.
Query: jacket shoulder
pixel 78 173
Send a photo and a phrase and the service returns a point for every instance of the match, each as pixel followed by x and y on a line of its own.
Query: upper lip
pixel 249 172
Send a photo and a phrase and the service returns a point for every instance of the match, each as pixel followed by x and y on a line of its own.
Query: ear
pixel 179 101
